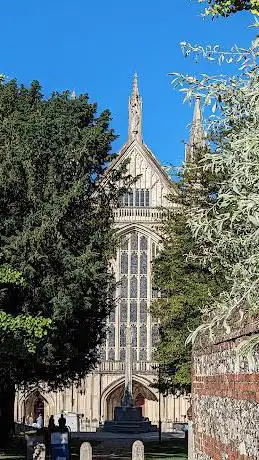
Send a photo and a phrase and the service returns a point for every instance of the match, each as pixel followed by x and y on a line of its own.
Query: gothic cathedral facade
pixel 138 225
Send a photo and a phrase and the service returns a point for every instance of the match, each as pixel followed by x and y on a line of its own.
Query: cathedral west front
pixel 137 222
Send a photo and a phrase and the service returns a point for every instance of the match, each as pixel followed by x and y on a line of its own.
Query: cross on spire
pixel 135 113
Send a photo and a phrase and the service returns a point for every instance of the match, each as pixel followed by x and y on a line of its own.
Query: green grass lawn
pixel 173 449
pixel 169 450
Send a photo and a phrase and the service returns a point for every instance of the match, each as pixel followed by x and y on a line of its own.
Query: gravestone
pixel 138 450
pixel 86 451
pixel 60 445
pixel 32 440
pixel 39 452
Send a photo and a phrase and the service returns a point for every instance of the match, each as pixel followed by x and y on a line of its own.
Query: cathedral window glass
pixel 134 263
pixel 136 198
pixel 134 241
pixel 142 198
pixel 143 287
pixel 133 330
pixel 131 199
pixel 143 335
pixel 125 243
pixel 142 354
pixel 143 311
pixel 143 243
pixel 133 311
pixel 124 287
pixel 147 198
pixel 123 311
pixel 143 263
pixel 133 287
pixel 124 263
pixel 133 295
pixel 123 335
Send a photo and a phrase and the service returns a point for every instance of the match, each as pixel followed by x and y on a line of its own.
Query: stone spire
pixel 197 136
pixel 135 113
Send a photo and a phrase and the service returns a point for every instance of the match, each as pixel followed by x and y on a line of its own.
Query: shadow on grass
pixel 174 449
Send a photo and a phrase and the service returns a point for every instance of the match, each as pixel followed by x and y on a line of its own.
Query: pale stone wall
pixel 90 400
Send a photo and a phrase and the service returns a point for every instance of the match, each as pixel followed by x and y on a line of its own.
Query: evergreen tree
pixel 185 285
pixel 56 232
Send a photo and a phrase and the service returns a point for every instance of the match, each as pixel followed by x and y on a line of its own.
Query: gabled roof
pixel 135 139
pixel 148 155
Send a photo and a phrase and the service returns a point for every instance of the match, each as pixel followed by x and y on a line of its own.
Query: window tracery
pixel 124 287
pixel 123 311
pixel 133 311
pixel 124 263
pixel 134 294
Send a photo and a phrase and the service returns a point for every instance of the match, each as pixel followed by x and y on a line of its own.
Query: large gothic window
pixel 134 295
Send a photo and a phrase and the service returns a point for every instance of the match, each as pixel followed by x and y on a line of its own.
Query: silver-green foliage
pixel 228 232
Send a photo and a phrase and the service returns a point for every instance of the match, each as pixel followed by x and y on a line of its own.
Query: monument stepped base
pixel 128 420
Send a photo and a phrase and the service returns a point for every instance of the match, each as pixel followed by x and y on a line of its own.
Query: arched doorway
pixel 35 405
pixel 140 394
pixel 39 407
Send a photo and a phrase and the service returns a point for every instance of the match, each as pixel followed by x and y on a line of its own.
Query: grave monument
pixel 127 418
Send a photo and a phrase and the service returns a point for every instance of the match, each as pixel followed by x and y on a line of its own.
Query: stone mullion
pixel 149 331
pixel 129 279
pixel 138 300
pixel 117 308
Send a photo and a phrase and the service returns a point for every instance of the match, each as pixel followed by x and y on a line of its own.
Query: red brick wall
pixel 225 400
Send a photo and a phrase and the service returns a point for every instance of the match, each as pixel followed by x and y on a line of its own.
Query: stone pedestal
pixel 128 420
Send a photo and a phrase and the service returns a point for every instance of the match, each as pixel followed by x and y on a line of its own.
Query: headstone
pixel 86 451
pixel 190 441
pixel 59 445
pixel 39 452
pixel 138 450
pixel 32 440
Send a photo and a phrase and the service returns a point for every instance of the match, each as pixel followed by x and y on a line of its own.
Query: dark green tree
pixel 185 285
pixel 56 232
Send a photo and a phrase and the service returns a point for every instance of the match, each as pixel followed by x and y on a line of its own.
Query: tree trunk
pixel 7 397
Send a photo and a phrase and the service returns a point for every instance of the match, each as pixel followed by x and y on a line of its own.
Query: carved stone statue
pixel 39 452
pixel 135 118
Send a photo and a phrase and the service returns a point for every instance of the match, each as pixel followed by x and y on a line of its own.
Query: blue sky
pixel 95 47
